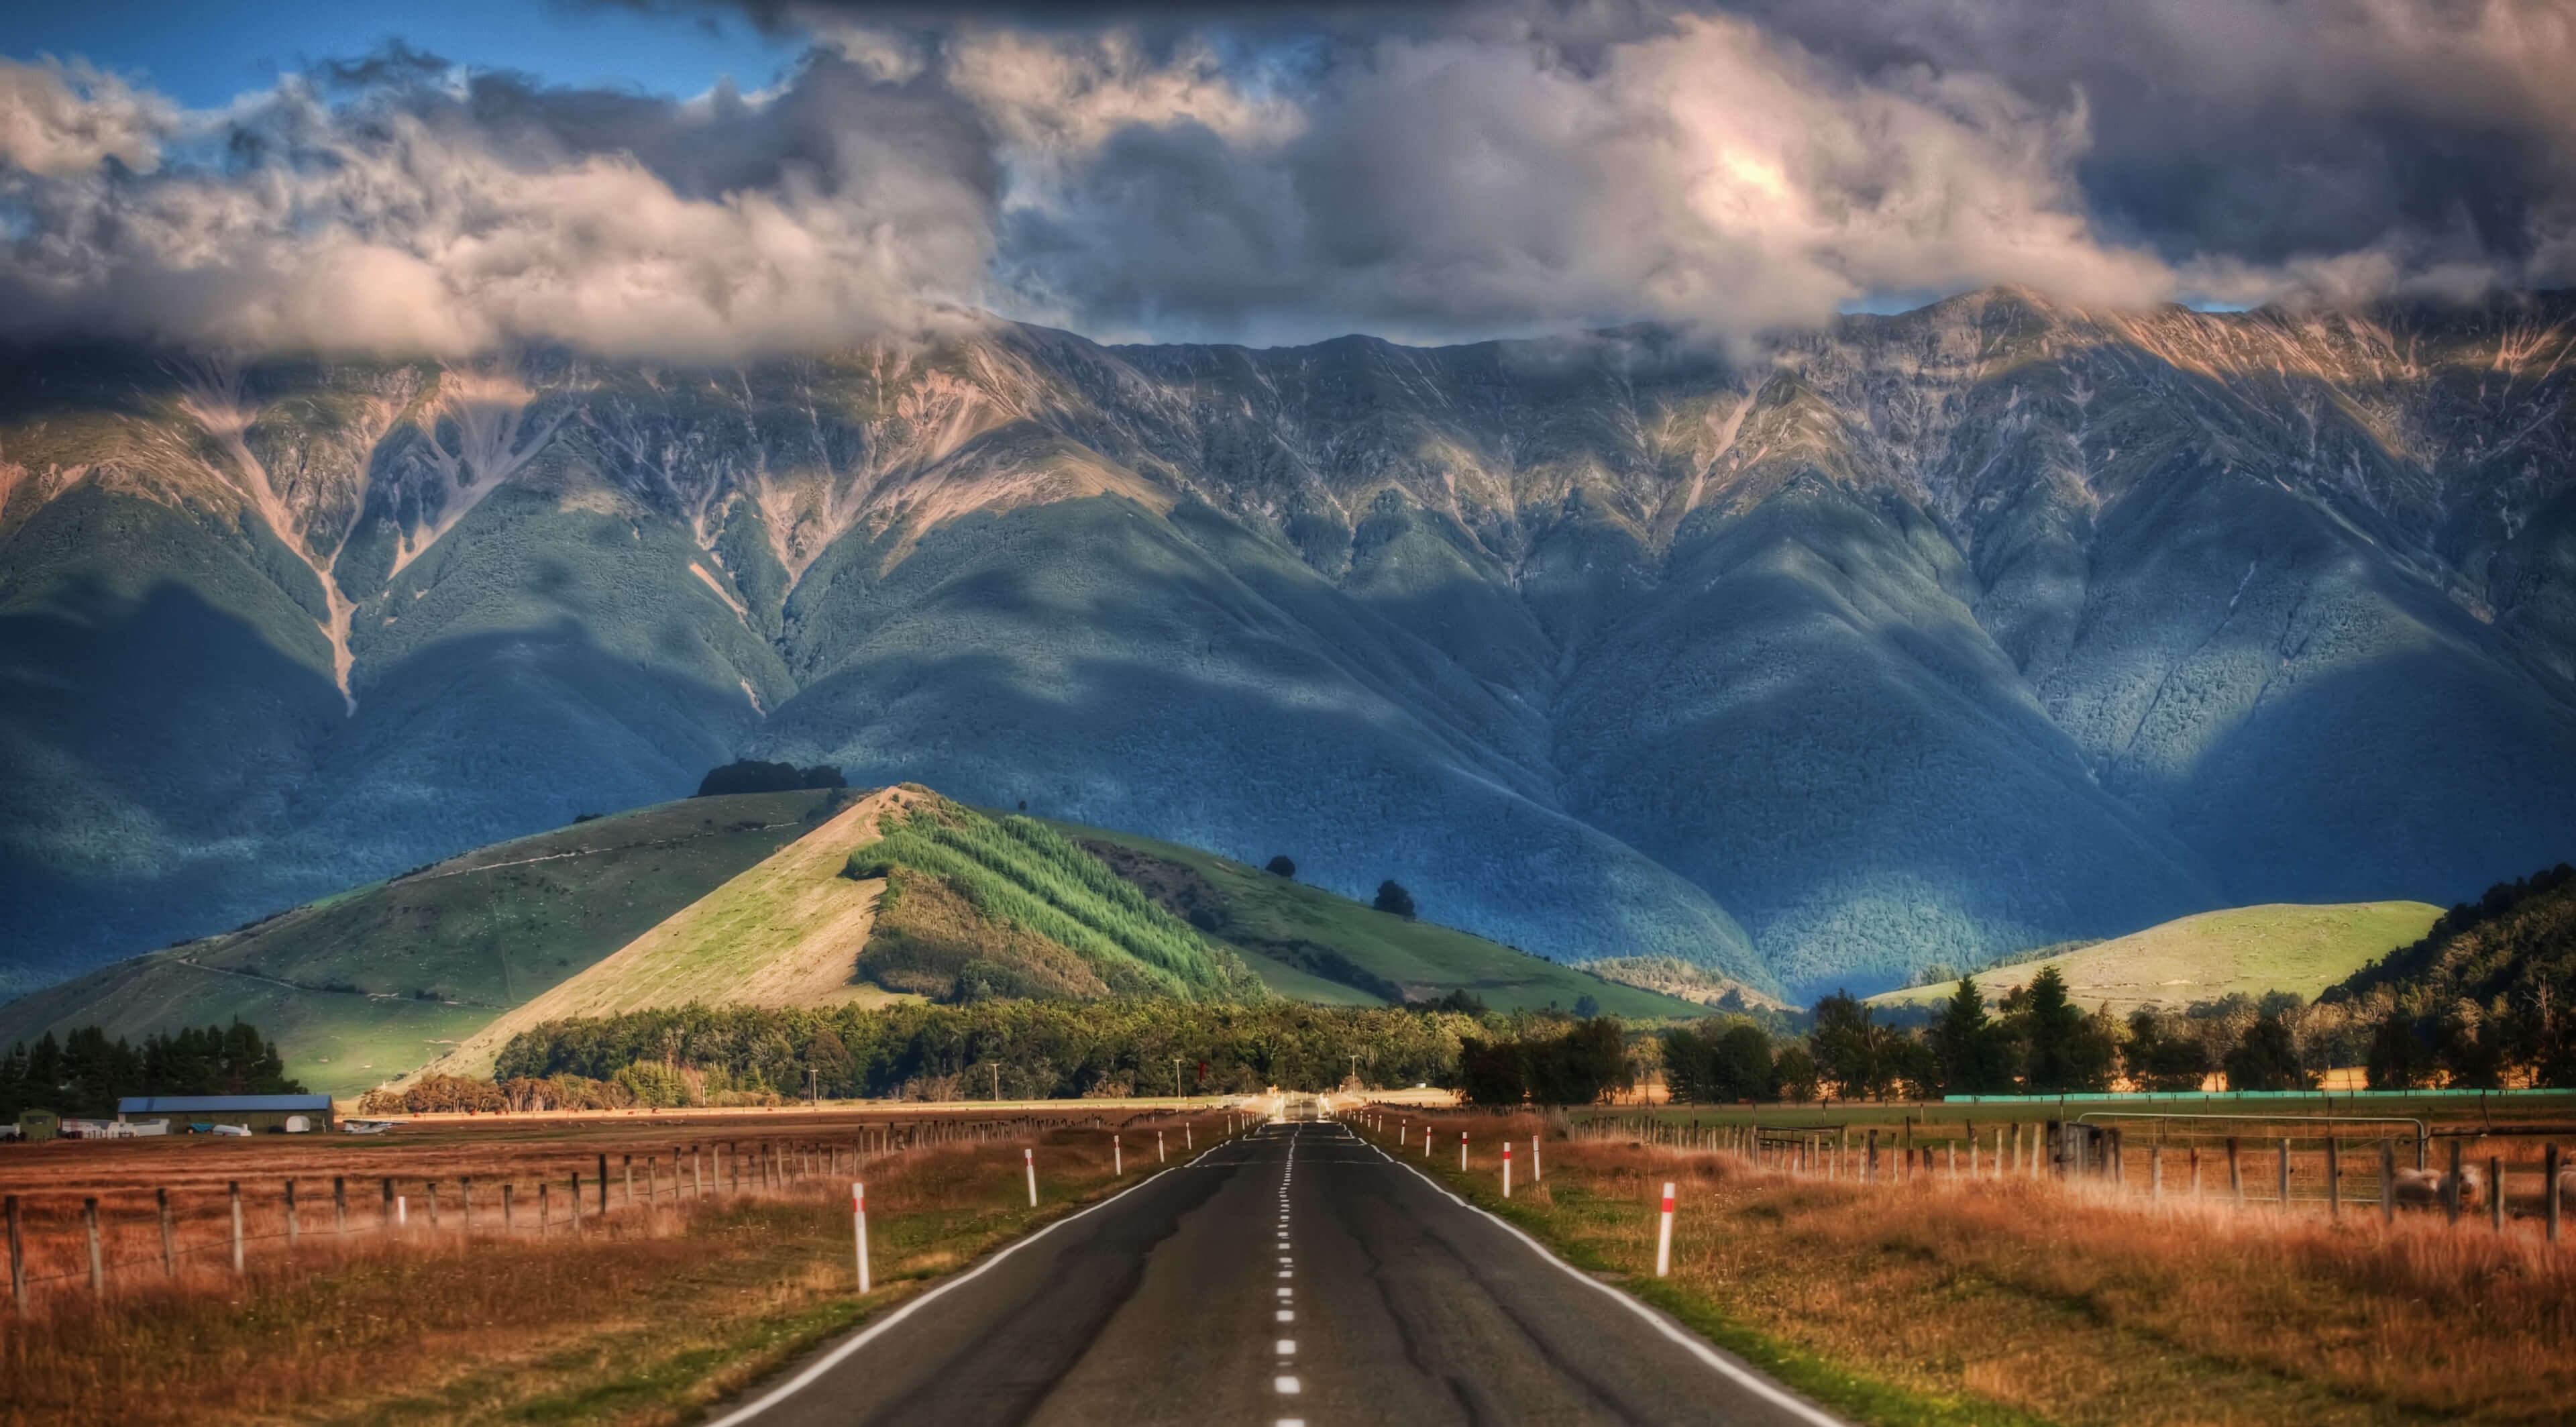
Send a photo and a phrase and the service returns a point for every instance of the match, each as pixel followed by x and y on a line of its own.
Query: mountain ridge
pixel 1918 638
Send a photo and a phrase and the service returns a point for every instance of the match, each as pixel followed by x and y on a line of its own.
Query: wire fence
pixel 198 1228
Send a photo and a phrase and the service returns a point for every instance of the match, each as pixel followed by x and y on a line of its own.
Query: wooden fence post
pixel 235 1187
pixel 16 1253
pixel 603 1184
pixel 697 1171
pixel 2548 1194
pixel 340 1205
pixel 629 1165
pixel 2334 1180
pixel 169 1235
pixel 2282 1195
pixel 543 1205
pixel 2388 1181
pixel 1869 1170
pixel 385 1210
pixel 97 1267
pixel 2495 1193
pixel 508 1220
pixel 2235 1173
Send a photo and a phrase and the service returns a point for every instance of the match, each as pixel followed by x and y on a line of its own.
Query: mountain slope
pixel 1922 637
pixel 1309 944
pixel 373 981
pixel 2248 950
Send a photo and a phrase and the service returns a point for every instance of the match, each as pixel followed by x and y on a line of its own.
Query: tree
pixel 2067 1051
pixel 750 776
pixel 1845 1044
pixel 1794 1072
pixel 2267 1058
pixel 1493 1072
pixel 1587 1005
pixel 1282 866
pixel 1391 897
pixel 1741 1064
pixel 1969 1050
pixel 1907 1063
pixel 2159 1058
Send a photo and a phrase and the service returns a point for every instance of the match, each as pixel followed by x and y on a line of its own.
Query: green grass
pixel 1018 871
pixel 338 983
pixel 2277 947
pixel 1295 937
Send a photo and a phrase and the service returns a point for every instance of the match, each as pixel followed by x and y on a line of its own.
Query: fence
pixel 78 1240
pixel 2509 1175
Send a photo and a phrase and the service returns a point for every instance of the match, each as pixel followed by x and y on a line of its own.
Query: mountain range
pixel 1918 639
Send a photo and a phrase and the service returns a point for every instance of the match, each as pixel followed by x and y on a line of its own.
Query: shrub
pixel 1282 866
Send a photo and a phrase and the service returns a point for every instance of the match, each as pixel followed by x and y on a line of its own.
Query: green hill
pixel 1310 945
pixel 370 983
pixel 2277 947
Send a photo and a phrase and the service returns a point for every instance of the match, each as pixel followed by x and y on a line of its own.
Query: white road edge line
pixel 1697 1346
pixel 868 1334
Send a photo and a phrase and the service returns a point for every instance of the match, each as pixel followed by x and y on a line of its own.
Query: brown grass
pixel 1937 1300
pixel 649 1314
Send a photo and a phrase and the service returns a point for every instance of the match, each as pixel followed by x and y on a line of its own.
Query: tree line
pixel 85 1073
pixel 1018 1049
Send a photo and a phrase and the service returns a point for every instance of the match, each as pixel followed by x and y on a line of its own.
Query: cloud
pixel 422 217
pixel 1463 184
pixel 60 119
pixel 1278 172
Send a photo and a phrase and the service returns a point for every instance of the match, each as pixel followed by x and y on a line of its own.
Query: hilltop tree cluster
pixel 85 1073
pixel 752 776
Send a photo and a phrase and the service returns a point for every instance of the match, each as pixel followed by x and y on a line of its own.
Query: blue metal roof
pixel 200 1104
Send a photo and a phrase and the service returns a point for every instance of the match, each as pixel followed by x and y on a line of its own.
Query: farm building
pixel 291 1113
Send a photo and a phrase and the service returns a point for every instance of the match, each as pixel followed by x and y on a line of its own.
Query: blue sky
pixel 203 55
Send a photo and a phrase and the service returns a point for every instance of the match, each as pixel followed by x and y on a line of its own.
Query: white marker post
pixel 1507 1169
pixel 859 1225
pixel 1402 1128
pixel 402 1211
pixel 1029 1158
pixel 1117 1155
pixel 1158 1147
pixel 1664 1236
pixel 1536 1172
pixel 1462 1151
pixel 1189 1140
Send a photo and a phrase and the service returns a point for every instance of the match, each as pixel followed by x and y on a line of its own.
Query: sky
pixel 708 180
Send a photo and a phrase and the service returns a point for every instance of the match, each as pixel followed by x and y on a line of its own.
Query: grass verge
pixel 649 1318
pixel 1934 1303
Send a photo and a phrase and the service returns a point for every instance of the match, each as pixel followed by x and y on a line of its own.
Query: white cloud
pixel 58 119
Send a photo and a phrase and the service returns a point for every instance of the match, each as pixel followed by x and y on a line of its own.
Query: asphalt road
pixel 1296 1274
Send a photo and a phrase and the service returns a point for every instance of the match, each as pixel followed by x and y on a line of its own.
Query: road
pixel 1293 1275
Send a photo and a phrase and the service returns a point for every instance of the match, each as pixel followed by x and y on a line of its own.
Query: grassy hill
pixel 2277 947
pixel 1311 945
pixel 367 984
pixel 904 895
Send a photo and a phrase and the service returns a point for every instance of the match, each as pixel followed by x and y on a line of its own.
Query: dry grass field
pixel 642 1315
pixel 1942 1300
